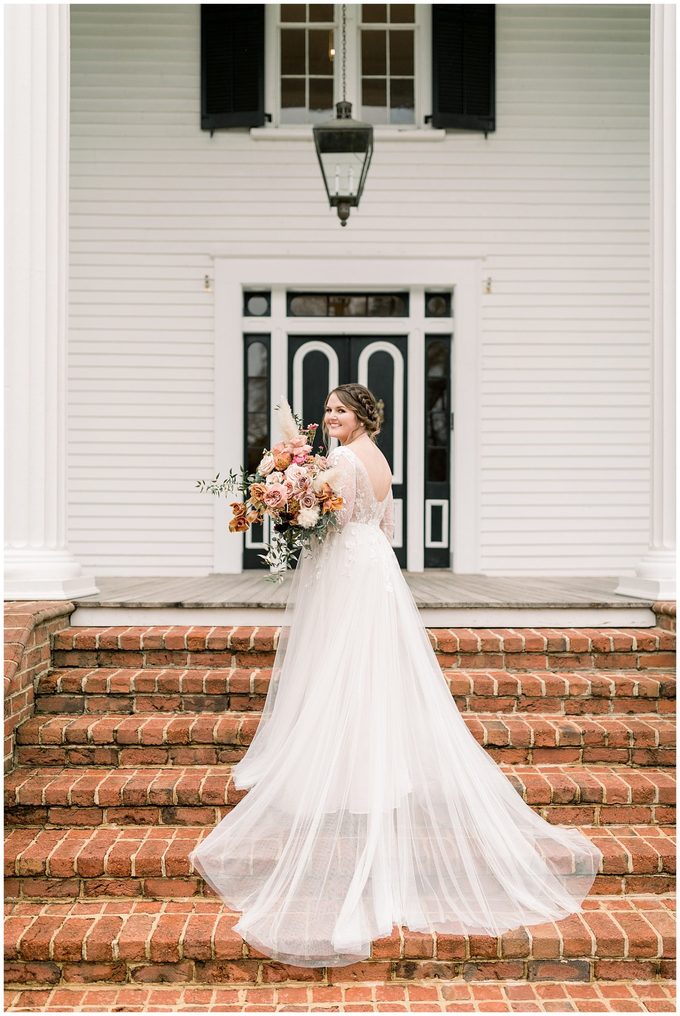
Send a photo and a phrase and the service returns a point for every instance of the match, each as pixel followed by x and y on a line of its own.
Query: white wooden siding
pixel 556 200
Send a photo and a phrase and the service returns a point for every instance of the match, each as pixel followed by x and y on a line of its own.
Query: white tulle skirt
pixel 372 805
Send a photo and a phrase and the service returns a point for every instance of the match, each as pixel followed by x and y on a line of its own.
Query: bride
pixel 371 804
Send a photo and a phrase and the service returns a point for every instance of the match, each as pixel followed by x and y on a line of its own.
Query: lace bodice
pixel 354 486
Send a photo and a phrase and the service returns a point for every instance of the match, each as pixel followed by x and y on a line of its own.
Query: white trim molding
pixel 655 573
pixel 38 564
pixel 233 275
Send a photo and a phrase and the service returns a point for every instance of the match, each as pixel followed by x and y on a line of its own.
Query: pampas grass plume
pixel 287 424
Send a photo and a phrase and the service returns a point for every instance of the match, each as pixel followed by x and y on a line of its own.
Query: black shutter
pixel 464 66
pixel 232 65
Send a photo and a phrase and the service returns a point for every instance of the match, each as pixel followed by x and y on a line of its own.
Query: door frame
pixel 463 275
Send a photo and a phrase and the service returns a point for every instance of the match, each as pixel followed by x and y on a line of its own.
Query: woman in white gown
pixel 370 803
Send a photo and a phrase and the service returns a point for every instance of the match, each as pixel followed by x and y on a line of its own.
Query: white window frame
pixel 422 88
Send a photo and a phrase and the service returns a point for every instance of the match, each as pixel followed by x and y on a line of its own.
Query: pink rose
pixel 308 499
pixel 275 496
pixel 266 464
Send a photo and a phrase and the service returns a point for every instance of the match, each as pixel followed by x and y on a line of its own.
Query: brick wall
pixel 29 625
pixel 665 614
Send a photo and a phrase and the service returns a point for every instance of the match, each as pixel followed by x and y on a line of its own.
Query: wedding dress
pixel 371 803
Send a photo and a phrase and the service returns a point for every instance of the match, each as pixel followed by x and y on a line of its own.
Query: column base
pixel 655 577
pixel 43 574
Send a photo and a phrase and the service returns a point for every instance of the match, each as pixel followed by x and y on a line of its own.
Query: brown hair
pixel 362 402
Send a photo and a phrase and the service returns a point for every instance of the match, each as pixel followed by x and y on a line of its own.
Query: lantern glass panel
pixel 342 171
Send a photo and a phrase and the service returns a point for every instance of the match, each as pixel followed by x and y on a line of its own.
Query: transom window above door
pixel 382 62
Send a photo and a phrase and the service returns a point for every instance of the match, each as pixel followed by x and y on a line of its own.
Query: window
pixel 306 53
pixel 387 63
pixel 384 63
pixel 410 68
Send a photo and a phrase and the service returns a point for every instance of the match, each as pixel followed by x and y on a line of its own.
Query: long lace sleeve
pixel 346 485
pixel 387 520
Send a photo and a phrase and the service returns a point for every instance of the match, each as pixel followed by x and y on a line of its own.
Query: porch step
pixel 74 690
pixel 201 795
pixel 418 995
pixel 153 863
pixel 518 649
pixel 193 941
pixel 645 739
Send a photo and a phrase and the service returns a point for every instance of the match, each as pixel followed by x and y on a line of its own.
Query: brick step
pixel 153 863
pixel 418 995
pixel 471 648
pixel 193 941
pixel 201 795
pixel 77 690
pixel 645 739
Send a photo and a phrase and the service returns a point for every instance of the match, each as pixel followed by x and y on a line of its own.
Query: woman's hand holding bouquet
pixel 292 486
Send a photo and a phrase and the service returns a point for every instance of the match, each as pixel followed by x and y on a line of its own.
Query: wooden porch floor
pixel 444 599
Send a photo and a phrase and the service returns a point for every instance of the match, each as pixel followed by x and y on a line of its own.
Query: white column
pixel 38 564
pixel 655 574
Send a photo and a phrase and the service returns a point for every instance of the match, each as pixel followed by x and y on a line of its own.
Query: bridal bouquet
pixel 292 486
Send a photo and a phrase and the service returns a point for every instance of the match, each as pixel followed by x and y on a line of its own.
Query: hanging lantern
pixel 344 148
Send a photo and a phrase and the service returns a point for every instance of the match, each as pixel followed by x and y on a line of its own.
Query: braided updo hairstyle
pixel 362 402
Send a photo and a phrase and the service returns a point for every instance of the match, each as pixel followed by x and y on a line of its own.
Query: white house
pixel 505 285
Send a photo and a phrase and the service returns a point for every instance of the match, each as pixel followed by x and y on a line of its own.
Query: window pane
pixel 321 12
pixel 374 95
pixel 401 100
pixel 373 52
pixel 257 395
pixel 402 14
pixel 256 304
pixel 292 12
pixel 401 52
pixel 346 306
pixel 375 13
pixel 436 360
pixel 436 459
pixel 257 432
pixel 308 306
pixel 437 305
pixel 386 305
pixel 321 94
pixel 293 93
pixel 292 51
pixel 257 359
pixel 319 52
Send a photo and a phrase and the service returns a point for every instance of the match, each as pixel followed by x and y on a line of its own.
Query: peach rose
pixel 257 491
pixel 266 464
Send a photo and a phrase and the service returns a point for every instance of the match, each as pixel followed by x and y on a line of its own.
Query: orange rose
pixel 257 492
pixel 239 525
pixel 239 508
pixel 282 460
pixel 329 501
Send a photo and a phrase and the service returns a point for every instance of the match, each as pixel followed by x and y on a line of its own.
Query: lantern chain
pixel 344 48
